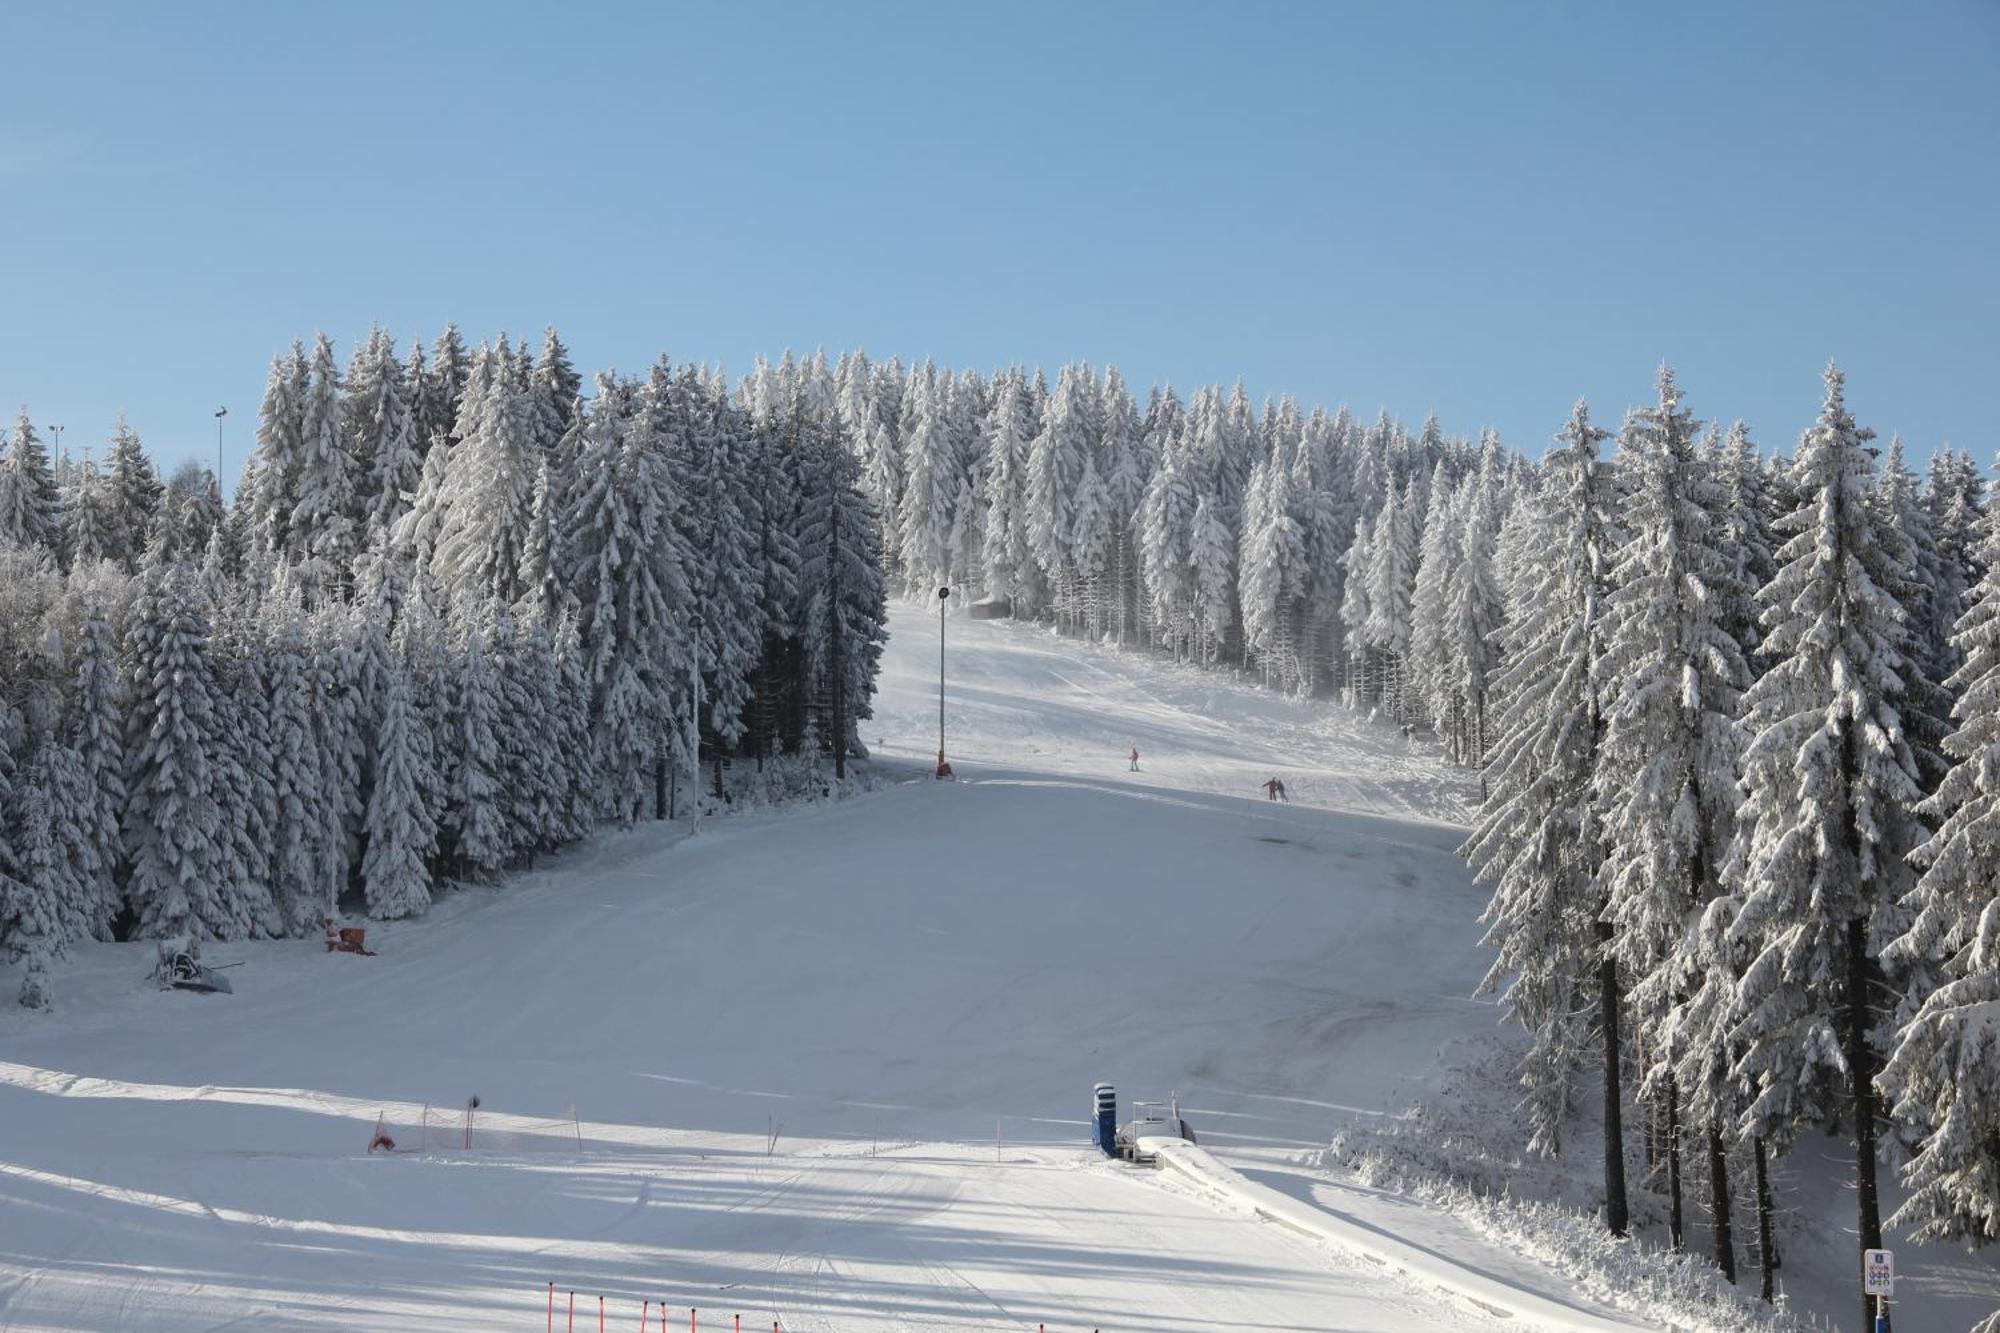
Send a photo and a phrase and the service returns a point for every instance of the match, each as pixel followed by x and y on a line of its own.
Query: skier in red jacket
pixel 1135 760
pixel 1275 790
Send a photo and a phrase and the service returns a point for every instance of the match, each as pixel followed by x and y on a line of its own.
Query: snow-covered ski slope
pixel 830 1066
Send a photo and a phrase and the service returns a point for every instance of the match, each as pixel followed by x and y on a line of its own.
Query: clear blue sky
pixel 1488 209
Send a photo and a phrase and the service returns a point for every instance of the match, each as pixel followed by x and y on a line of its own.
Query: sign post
pixel 1878 1279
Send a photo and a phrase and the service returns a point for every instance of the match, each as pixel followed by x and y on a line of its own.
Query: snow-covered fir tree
pixel 554 390
pixel 931 490
pixel 1392 572
pixel 1830 790
pixel 1127 468
pixel 30 501
pixel 324 537
pixel 1954 500
pixel 1273 573
pixel 401 837
pixel 270 486
pixel 1942 1077
pixel 488 485
pixel 1909 551
pixel 93 727
pixel 1670 677
pixel 297 772
pixel 1166 541
pixel 132 497
pixel 473 826
pixel 1474 616
pixel 627 572
pixel 1056 462
pixel 840 576
pixel 709 445
pixel 1429 673
pixel 1007 557
pixel 1539 838
pixel 381 434
pixel 86 536
pixel 439 388
pixel 174 832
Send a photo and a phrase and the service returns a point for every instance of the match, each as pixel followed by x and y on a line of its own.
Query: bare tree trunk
pixel 836 666
pixel 1676 1228
pixel 1718 1202
pixel 1766 1258
pixel 1617 1214
pixel 1861 1075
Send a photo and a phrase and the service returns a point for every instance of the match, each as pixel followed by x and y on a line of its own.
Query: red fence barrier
pixel 646 1312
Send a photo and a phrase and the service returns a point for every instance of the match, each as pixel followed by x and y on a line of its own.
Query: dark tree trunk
pixel 1861 1077
pixel 1766 1259
pixel 718 772
pixel 760 707
pixel 835 666
pixel 660 767
pixel 1676 1221
pixel 1616 1213
pixel 1718 1202
pixel 1651 1131
pixel 798 696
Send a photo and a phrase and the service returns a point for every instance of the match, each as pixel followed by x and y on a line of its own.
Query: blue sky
pixel 1484 209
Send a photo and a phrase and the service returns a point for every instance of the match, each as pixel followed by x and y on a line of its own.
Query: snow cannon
pixel 1104 1125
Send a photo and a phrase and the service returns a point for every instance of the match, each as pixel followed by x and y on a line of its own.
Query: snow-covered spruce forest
pixel 1730 710
pixel 1734 717
pixel 457 615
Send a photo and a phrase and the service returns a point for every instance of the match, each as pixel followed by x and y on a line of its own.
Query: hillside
pixel 829 1065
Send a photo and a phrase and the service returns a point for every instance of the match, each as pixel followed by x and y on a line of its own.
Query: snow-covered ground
pixel 829 1066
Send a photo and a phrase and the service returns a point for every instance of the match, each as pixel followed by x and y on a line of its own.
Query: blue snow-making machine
pixel 1150 1120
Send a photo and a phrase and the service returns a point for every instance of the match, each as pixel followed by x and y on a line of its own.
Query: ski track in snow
pixel 916 987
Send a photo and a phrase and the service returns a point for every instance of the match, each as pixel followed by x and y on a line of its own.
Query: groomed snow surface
pixel 829 1066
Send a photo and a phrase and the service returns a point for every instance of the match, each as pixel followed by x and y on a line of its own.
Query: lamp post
pixel 57 449
pixel 220 413
pixel 944 598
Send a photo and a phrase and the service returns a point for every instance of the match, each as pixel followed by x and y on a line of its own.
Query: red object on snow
pixel 347 939
pixel 943 768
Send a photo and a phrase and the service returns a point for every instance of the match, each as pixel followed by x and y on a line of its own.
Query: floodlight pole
pixel 220 413
pixel 944 599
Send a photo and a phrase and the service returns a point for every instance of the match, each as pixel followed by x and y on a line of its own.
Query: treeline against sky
pixel 458 613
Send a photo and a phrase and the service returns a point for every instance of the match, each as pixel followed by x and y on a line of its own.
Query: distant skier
pixel 1135 760
pixel 1274 790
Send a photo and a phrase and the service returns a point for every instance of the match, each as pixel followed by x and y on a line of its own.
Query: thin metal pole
pixel 943 595
pixel 220 413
